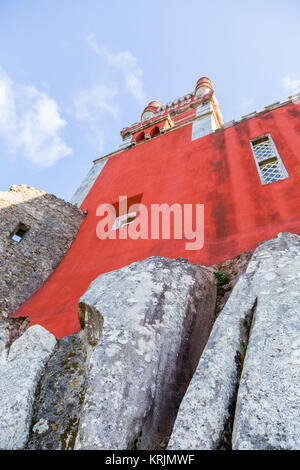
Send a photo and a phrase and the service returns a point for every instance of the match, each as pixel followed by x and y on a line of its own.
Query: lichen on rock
pixel 59 396
pixel 157 315
pixel 19 376
pixel 248 376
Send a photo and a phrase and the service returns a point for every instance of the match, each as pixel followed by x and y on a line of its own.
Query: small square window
pixel 124 220
pixel 19 232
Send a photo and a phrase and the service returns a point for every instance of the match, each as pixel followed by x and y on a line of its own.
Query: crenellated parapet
pixel 199 107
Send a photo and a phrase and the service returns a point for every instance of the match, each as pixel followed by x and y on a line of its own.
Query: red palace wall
pixel 217 170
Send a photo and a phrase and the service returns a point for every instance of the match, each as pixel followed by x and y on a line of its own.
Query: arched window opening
pixel 140 137
pixel 154 131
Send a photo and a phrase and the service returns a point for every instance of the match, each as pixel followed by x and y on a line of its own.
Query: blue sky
pixel 73 73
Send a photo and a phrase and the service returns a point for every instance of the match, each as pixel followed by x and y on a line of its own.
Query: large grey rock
pixel 266 412
pixel 268 405
pixel 156 318
pixel 204 420
pixel 19 376
pixel 59 397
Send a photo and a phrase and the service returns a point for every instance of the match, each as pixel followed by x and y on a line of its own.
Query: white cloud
pixel 96 106
pixel 92 42
pixel 290 84
pixel 126 62
pixel 30 123
pixel 7 105
pixel 90 105
pixel 98 97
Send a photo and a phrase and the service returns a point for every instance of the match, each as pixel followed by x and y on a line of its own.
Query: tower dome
pixel 204 85
pixel 150 110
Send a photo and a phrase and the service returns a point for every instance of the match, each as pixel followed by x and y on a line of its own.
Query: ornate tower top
pixel 203 86
pixel 150 110
pixel 199 107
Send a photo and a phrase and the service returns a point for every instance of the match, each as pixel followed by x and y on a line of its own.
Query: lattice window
pixel 269 164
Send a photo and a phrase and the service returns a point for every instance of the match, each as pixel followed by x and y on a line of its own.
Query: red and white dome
pixel 150 110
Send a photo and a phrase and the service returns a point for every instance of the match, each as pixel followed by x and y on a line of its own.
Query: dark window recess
pixel 125 219
pixel 19 232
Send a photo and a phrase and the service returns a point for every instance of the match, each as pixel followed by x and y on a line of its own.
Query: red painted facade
pixel 217 170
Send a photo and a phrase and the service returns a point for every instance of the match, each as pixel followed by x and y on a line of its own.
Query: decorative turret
pixel 208 115
pixel 150 110
pixel 203 86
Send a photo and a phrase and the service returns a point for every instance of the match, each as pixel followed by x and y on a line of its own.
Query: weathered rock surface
pixel 10 330
pixel 59 397
pixel 268 405
pixel 4 339
pixel 145 328
pixel 156 315
pixel 52 226
pixel 232 268
pixel 204 420
pixel 266 413
pixel 19 376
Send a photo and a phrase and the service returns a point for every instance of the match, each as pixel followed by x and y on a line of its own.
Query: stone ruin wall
pixel 52 226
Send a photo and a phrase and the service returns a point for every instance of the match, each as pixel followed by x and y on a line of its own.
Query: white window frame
pixel 122 220
pixel 276 154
